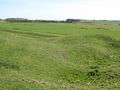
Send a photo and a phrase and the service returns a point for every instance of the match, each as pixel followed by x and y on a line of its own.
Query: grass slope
pixel 49 56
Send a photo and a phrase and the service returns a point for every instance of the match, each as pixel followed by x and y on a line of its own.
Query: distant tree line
pixel 23 20
pixel 17 20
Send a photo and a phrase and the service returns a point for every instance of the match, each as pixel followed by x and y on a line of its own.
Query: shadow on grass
pixel 28 33
pixel 109 40
pixel 8 65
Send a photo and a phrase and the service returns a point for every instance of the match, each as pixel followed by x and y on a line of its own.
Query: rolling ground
pixel 60 56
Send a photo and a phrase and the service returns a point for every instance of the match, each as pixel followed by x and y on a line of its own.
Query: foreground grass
pixel 60 56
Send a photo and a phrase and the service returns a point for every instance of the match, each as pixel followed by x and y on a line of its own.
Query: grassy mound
pixel 59 56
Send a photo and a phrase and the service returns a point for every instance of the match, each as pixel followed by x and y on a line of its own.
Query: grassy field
pixel 60 56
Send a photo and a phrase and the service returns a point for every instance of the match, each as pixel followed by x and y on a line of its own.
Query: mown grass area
pixel 60 56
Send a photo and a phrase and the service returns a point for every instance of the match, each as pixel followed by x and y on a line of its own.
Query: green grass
pixel 59 56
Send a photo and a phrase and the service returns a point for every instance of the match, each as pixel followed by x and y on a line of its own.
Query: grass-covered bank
pixel 44 56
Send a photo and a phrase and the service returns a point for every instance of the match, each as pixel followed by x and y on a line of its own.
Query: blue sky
pixel 60 9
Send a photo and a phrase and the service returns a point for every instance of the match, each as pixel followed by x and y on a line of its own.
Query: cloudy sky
pixel 60 9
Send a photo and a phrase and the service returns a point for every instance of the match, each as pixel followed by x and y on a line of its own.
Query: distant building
pixel 72 20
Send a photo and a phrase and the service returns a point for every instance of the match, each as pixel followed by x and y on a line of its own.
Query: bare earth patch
pixel 49 84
